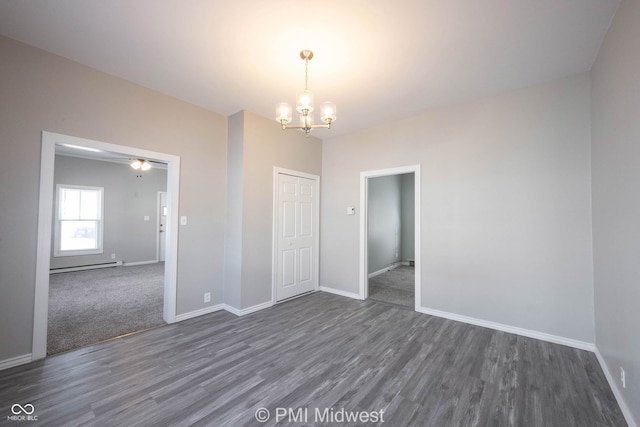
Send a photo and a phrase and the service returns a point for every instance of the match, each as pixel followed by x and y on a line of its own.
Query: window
pixel 78 228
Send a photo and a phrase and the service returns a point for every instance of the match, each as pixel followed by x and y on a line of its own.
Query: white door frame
pixel 158 216
pixel 316 229
pixel 364 188
pixel 45 212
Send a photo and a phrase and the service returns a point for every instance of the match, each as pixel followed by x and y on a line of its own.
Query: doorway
pixel 365 258
pixel 295 234
pixel 49 142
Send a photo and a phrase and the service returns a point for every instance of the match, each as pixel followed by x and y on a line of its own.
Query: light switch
pixel 146 218
pixel 351 211
pixel 183 220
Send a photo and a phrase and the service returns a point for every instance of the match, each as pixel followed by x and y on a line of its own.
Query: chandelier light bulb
pixel 306 121
pixel 328 112
pixel 283 112
pixel 137 164
pixel 305 101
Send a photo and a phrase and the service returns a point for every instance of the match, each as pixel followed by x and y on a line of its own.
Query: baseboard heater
pixel 85 267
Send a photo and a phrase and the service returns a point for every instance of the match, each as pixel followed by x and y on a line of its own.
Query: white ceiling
pixel 377 59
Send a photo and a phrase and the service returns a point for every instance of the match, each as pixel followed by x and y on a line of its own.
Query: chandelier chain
pixel 306 74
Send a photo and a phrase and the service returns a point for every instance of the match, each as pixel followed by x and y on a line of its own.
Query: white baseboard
pixel 511 329
pixel 248 310
pixel 151 261
pixel 202 311
pixel 15 361
pixel 384 270
pixel 628 416
pixel 341 293
pixel 86 267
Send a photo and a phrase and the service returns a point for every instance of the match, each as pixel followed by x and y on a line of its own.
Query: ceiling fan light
pixel 283 113
pixel 305 102
pixel 328 112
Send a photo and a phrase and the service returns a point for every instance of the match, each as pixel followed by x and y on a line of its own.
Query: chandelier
pixel 304 105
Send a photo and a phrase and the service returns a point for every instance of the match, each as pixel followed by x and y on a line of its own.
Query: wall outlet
pixel 113 256
pixel 207 297
pixel 623 378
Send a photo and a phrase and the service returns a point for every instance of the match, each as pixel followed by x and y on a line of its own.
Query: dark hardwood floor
pixel 320 351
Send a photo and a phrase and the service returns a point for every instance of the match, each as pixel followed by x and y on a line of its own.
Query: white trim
pixel 248 310
pixel 201 312
pixel 43 253
pixel 628 416
pixel 86 267
pixel 510 329
pixel 15 361
pixel 340 292
pixel 384 270
pixel 45 219
pixel 129 264
pixel 57 252
pixel 363 277
pixel 274 231
pixel 158 215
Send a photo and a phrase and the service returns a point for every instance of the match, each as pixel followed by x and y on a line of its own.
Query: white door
pixel 296 236
pixel 162 225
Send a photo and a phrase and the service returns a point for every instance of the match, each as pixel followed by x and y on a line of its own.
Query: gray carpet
pixel 86 307
pixel 395 287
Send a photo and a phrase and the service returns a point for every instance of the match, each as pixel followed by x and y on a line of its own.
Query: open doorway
pixel 390 236
pixel 106 277
pixel 45 230
pixel 390 239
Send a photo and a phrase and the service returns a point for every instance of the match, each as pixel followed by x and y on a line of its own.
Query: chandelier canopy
pixel 304 105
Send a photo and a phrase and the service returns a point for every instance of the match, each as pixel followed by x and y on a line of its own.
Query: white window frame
pixel 57 252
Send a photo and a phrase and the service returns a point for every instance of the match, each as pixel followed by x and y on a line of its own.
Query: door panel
pixel 289 220
pixel 296 240
pixel 288 268
pixel 305 264
pixel 306 220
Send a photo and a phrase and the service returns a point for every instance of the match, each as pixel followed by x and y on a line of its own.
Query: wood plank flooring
pixel 319 351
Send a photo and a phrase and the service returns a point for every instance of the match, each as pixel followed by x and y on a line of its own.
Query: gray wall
pixel 233 220
pixel 259 144
pixel 127 200
pixel 506 202
pixel 407 199
pixel 384 213
pixel 615 130
pixel 41 91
